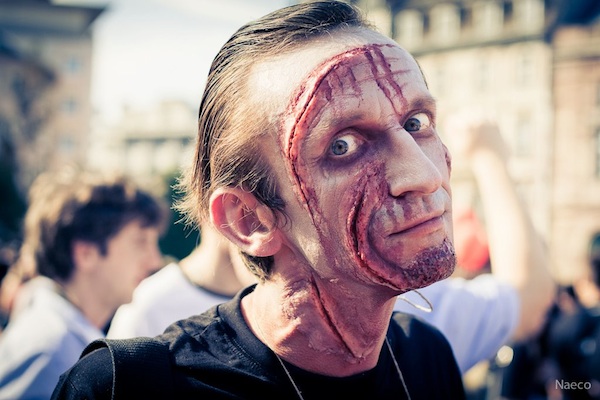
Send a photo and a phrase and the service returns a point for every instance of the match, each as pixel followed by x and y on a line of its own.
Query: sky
pixel 146 51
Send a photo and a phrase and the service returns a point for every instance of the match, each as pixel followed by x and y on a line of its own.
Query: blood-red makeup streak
pixel 328 317
pixel 387 71
pixel 370 198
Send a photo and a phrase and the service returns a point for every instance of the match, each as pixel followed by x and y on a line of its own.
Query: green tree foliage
pixel 179 239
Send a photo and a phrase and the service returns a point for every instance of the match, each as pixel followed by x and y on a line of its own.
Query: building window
pixel 508 12
pixel 409 28
pixel 487 18
pixel 445 22
pixel 466 18
pixel 426 25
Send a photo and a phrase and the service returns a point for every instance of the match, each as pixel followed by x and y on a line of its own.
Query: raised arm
pixel 517 252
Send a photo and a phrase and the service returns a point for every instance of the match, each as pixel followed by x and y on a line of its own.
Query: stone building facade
pixel 55 117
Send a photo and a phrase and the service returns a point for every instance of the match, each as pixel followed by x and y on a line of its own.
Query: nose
pixel 409 167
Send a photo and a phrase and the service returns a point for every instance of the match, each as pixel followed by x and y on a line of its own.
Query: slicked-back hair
pixel 77 206
pixel 228 127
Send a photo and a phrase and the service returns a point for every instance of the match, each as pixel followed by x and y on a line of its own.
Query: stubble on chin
pixel 429 266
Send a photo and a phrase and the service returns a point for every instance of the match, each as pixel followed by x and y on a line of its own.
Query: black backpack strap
pixel 141 367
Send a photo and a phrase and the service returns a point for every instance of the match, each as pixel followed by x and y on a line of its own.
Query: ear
pixel 246 222
pixel 85 255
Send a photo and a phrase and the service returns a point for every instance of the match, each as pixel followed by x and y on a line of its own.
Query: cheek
pixel 351 206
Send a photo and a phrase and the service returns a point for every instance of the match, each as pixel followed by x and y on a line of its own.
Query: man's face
pixel 370 177
pixel 132 254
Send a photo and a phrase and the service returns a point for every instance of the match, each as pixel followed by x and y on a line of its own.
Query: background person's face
pixel 370 173
pixel 131 256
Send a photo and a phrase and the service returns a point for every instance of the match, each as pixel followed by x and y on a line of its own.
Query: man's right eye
pixel 344 146
pixel 417 122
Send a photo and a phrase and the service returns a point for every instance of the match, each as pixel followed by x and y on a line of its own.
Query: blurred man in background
pixel 91 241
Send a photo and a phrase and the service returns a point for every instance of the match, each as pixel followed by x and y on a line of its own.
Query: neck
pixel 209 266
pixel 83 298
pixel 322 326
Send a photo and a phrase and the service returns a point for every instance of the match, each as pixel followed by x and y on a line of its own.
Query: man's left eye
pixel 417 122
pixel 344 145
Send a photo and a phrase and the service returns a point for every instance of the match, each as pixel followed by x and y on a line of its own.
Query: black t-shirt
pixel 215 356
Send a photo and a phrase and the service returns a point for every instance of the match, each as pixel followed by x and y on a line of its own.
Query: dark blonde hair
pixel 74 205
pixel 226 153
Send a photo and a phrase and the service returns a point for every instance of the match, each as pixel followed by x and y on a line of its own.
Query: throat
pixel 337 335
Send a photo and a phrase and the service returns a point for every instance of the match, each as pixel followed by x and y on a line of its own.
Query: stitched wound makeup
pixel 341 181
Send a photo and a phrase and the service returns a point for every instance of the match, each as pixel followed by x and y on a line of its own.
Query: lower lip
pixel 424 228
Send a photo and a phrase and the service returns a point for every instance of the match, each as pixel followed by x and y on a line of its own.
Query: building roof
pixel 41 16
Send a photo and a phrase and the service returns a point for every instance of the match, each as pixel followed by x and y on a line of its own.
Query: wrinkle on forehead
pixel 380 68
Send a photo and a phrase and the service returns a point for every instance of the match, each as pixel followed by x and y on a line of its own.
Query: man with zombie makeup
pixel 318 157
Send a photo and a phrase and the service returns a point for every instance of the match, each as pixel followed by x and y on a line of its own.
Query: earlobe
pixel 240 217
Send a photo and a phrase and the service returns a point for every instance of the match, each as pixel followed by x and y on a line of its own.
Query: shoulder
pixel 214 337
pixel 420 340
pixel 485 289
pixel 169 290
pixel 412 328
pixel 158 301
pixel 89 378
pixel 189 344
pixel 34 335
pixel 32 360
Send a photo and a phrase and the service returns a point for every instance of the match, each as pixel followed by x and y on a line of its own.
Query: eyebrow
pixel 422 102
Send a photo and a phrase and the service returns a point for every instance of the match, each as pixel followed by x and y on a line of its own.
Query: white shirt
pixel 40 343
pixel 161 299
pixel 477 316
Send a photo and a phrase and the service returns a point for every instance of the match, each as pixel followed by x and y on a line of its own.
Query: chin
pixel 429 266
pixel 426 267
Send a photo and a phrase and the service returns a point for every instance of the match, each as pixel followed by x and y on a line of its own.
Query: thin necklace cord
pixel 389 347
